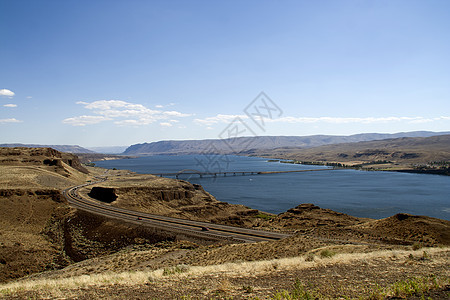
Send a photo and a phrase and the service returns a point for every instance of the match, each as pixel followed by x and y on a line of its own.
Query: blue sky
pixel 103 73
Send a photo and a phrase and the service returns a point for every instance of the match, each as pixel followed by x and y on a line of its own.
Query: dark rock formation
pixel 303 208
pixel 103 194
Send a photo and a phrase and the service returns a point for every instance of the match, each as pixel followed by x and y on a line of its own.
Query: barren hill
pixel 39 167
pixel 402 151
pixel 30 183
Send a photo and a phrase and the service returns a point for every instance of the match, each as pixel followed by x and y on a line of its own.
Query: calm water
pixel 358 193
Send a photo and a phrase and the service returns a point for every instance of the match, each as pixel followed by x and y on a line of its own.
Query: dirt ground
pixel 340 276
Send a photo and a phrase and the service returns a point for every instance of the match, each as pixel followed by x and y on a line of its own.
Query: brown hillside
pixel 39 156
pixel 403 151
pixel 308 216
pixel 24 214
pixel 401 229
pixel 30 184
pixel 39 168
pixel 419 229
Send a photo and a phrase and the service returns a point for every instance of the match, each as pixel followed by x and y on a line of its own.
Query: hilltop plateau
pixel 63 148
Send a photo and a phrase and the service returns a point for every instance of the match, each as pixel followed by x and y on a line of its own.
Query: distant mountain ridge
pixel 423 155
pixel 61 148
pixel 109 149
pixel 244 144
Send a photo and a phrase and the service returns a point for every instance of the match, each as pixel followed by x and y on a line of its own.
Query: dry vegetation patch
pixel 345 275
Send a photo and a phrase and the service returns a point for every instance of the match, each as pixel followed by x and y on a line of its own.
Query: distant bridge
pixel 232 173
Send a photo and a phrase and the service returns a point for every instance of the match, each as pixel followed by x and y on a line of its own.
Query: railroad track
pixel 193 228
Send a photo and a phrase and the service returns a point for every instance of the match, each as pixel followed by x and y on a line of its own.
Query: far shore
pixel 368 166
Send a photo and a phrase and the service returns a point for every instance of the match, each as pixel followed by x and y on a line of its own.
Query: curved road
pixel 188 227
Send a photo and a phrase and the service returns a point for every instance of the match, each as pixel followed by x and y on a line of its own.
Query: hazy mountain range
pixel 109 150
pixel 237 145
pixel 246 144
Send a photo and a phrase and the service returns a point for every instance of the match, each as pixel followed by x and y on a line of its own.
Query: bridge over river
pixel 232 173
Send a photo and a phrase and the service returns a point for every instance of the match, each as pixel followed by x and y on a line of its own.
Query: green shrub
pixel 264 216
pixel 413 286
pixel 298 292
pixel 327 253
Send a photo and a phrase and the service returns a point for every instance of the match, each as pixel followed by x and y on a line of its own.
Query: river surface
pixel 358 193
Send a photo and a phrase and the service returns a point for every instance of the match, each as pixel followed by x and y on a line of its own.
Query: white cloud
pixel 6 93
pixel 173 113
pixel 218 119
pixel 165 124
pixel 10 105
pixel 11 120
pixel 131 122
pixel 209 121
pixel 162 106
pixel 125 113
pixel 85 120
pixel 29 97
pixel 347 120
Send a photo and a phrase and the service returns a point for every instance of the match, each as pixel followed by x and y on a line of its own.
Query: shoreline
pixel 360 167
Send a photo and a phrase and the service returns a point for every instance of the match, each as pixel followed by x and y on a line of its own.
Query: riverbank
pixel 373 166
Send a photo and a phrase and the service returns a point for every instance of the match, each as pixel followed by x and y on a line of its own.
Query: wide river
pixel 358 193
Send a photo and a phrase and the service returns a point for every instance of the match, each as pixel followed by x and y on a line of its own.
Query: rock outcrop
pixel 38 157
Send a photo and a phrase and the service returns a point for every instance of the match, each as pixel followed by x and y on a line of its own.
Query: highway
pixel 192 228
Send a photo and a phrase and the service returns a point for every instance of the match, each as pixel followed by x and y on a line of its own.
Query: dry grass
pixel 231 269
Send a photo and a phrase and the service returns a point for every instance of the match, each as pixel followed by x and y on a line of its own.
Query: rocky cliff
pixel 39 156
